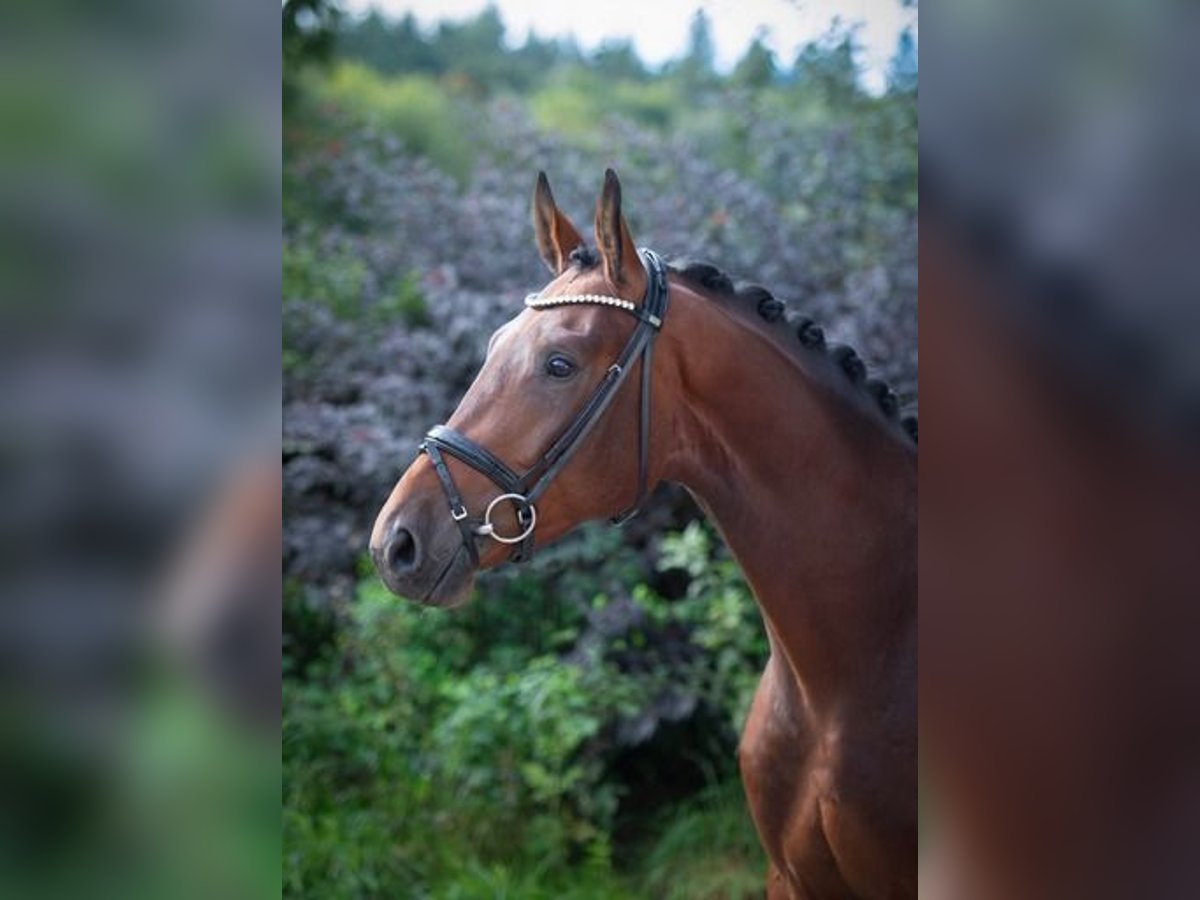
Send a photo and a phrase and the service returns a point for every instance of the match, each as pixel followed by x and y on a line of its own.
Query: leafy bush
pixel 404 302
pixel 340 281
pixel 426 117
pixel 336 280
pixel 432 748
pixel 726 622
pixel 398 771
pixel 580 103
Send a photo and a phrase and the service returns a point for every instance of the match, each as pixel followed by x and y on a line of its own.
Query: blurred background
pixel 572 732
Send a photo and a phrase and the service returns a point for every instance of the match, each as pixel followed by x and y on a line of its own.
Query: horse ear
pixel 621 262
pixel 556 236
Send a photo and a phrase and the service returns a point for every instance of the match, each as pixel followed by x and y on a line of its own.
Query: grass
pixel 703 849
pixel 707 849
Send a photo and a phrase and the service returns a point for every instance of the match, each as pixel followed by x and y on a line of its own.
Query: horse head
pixel 549 434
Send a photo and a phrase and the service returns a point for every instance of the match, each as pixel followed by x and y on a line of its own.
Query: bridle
pixel 524 490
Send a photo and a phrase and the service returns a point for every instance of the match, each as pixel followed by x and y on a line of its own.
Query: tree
pixel 531 61
pixel 308 36
pixel 617 59
pixel 829 67
pixel 308 29
pixel 756 69
pixel 696 69
pixel 902 71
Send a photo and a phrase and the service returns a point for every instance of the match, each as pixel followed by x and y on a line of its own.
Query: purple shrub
pixel 360 391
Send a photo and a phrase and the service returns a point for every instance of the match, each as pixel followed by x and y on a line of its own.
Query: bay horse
pixel 796 456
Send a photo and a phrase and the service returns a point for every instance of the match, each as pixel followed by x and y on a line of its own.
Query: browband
pixel 537 301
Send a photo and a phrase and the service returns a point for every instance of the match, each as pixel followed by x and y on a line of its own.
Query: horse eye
pixel 558 366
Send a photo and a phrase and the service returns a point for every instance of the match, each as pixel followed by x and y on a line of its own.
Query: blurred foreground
pixel 1060 472
pixel 139 340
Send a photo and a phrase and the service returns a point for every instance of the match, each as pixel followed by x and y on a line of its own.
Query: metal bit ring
pixel 487 529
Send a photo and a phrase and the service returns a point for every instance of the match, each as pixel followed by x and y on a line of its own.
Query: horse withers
pixel 623 372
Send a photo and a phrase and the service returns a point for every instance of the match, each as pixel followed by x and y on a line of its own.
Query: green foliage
pixel 388 46
pixel 471 52
pixel 308 34
pixel 724 616
pixel 476 47
pixel 830 67
pixel 618 60
pixel 756 69
pixel 707 848
pixel 902 71
pixel 309 630
pixel 340 281
pixel 580 102
pixel 515 742
pixel 448 754
pixel 403 764
pixel 404 302
pixel 420 112
pixel 336 280
pixel 696 69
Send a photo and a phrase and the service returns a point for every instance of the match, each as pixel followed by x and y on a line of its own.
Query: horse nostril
pixel 401 551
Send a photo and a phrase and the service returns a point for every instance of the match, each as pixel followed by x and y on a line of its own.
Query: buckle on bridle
pixel 458 513
pixel 487 529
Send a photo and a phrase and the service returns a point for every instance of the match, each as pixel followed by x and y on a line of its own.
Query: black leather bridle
pixel 524 490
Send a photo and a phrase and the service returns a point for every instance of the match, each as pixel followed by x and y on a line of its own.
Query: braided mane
pixel 773 311
pixel 809 335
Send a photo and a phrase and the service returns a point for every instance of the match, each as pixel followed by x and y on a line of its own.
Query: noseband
pixel 522 491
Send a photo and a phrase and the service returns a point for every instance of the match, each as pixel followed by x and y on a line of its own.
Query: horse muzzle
pixel 421 562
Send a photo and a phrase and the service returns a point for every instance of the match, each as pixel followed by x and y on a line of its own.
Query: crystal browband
pixel 537 301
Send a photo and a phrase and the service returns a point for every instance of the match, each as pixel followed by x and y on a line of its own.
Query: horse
pixel 1059 703
pixel 799 459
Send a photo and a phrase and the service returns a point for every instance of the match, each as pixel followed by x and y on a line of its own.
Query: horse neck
pixel 814 497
